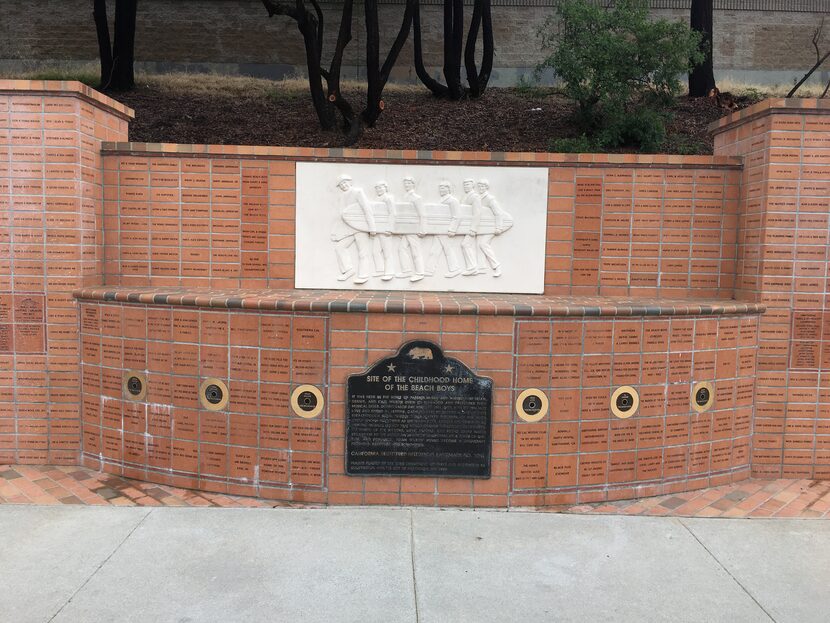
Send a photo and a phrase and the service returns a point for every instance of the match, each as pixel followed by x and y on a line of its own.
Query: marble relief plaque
pixel 421 227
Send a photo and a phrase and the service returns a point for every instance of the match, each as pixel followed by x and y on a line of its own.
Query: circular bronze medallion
pixel 214 394
pixel 135 385
pixel 625 401
pixel 532 405
pixel 703 396
pixel 307 401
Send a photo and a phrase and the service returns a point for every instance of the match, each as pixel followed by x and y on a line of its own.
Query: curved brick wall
pixel 255 446
pixel 181 259
pixel 581 448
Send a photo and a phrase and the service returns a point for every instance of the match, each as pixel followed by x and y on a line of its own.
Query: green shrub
pixel 530 88
pixel 580 144
pixel 620 67
pixel 686 146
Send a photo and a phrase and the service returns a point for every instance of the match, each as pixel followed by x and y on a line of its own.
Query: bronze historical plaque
pixel 418 413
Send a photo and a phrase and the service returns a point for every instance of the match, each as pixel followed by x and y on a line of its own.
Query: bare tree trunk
pixel 372 52
pixel 308 25
pixel 487 54
pixel 454 49
pixel 481 21
pixel 102 29
pixel 326 105
pixel 377 77
pixel 123 46
pixel 351 124
pixel 375 107
pixel 702 77
pixel 438 89
pixel 315 76
pixel 453 45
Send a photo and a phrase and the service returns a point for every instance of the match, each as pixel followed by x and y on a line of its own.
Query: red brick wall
pixel 50 244
pixel 782 262
pixel 199 221
pixel 647 227
pixel 256 446
pixel 223 217
pixel 666 446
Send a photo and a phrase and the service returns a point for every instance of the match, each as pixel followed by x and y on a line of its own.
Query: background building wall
pixel 755 40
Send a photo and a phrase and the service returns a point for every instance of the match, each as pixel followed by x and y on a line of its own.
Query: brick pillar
pixel 51 242
pixel 782 262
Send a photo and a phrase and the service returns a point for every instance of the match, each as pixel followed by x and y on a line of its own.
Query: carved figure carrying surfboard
pixel 489 205
pixel 412 239
pixel 444 242
pixel 384 266
pixel 344 235
pixel 437 219
pixel 372 227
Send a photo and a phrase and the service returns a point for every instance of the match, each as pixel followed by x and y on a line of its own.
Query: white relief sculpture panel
pixel 421 227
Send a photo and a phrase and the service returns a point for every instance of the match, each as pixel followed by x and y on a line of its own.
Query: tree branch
pixel 487 55
pixel 344 36
pixel 319 13
pixel 470 50
pixel 429 82
pixel 806 76
pixel 307 24
pixel 819 60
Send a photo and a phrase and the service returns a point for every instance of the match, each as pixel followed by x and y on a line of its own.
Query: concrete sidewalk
pixel 74 563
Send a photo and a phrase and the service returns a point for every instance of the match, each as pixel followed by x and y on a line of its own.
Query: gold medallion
pixel 307 401
pixel 135 385
pixel 625 401
pixel 703 396
pixel 532 405
pixel 214 394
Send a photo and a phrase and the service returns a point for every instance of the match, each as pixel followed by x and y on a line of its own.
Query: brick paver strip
pixel 804 499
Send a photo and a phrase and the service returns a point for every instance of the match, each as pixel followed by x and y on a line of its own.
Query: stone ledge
pixel 449 303
pixel 63 87
pixel 586 160
pixel 789 106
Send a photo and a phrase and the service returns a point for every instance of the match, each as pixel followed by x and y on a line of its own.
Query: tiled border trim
pixel 793 105
pixel 161 150
pixel 417 303
pixel 68 87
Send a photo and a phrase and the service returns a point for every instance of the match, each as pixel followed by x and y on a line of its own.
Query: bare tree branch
pixel 319 13
pixel 403 34
pixel 307 24
pixel 482 20
pixel 310 25
pixel 820 58
pixel 438 89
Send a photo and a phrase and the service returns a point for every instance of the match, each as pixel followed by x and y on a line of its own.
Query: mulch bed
pixel 501 120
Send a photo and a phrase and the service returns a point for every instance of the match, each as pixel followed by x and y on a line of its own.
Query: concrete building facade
pixel 766 41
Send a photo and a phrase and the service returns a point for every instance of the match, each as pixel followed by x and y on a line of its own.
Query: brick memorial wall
pixel 663 274
pixel 50 244
pixel 782 263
